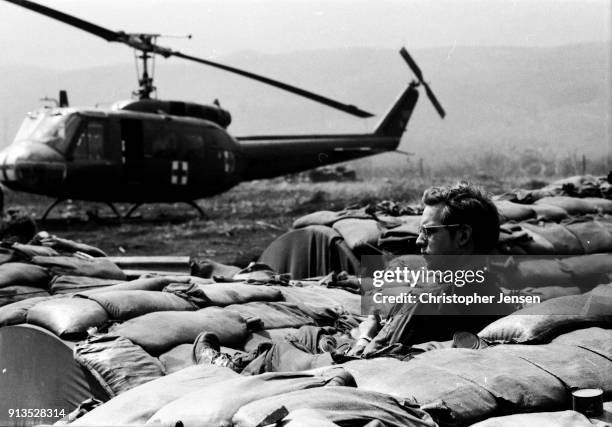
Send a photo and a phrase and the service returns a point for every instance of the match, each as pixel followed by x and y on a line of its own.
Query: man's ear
pixel 464 235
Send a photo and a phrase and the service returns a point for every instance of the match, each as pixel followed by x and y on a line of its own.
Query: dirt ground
pixel 240 225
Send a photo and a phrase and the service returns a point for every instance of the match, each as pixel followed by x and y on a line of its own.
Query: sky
pixel 221 28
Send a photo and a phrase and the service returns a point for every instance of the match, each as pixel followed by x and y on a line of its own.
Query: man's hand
pixel 367 330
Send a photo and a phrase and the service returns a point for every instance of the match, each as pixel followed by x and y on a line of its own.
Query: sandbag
pixel 573 205
pixel 222 294
pixel 306 418
pixel 328 218
pixel 16 313
pixel 29 251
pixel 358 233
pixel 595 236
pixel 76 266
pixel 451 398
pixel 208 268
pixel 66 245
pixel 224 399
pixel 273 314
pixel 136 406
pixel 64 284
pixel 541 419
pixel 461 386
pixel 509 211
pixel 546 212
pixel 549 292
pixel 541 322
pixel 8 255
pixel 563 241
pixel 317 218
pixel 117 363
pixel 67 318
pixel 143 284
pixel 11 294
pixel 403 237
pixel 577 368
pixel 346 406
pixel 21 274
pixel 124 305
pixel 594 339
pixel 603 206
pixel 322 296
pixel 535 272
pixel 536 244
pixel 164 330
pixel 584 271
pixel 589 270
pixel 178 358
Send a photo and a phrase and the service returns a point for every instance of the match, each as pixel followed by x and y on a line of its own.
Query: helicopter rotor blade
pixel 81 24
pixel 412 64
pixel 419 75
pixel 434 100
pixel 146 43
pixel 351 109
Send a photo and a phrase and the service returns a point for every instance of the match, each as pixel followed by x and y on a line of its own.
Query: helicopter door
pixel 132 149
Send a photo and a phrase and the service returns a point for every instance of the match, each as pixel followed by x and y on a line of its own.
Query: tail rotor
pixel 419 75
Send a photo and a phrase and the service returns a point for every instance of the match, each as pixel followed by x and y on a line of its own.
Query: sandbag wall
pixel 570 219
pixel 139 330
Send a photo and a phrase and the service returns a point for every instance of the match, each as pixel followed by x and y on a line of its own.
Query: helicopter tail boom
pixel 276 155
pixel 395 121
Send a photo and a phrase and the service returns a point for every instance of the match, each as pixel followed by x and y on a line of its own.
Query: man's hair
pixel 467 204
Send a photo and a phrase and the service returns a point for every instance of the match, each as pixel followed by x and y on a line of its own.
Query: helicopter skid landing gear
pixel 114 209
pixel 194 205
pixel 132 210
pixel 191 203
pixel 50 208
pixel 58 201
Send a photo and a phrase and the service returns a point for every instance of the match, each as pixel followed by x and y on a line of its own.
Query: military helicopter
pixel 149 150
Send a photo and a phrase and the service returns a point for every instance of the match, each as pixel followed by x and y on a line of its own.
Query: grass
pixel 242 222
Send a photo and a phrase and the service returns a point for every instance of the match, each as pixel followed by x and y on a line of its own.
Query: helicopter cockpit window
pixel 53 129
pixel 90 142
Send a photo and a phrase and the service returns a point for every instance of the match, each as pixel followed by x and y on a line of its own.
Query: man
pixel 459 226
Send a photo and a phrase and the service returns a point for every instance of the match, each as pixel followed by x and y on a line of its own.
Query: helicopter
pixel 147 150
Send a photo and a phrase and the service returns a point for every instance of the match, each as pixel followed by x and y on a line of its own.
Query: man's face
pixel 439 241
pixel 436 241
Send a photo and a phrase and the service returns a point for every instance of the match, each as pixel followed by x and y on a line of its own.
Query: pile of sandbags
pixel 326 396
pixel 580 186
pixel 34 270
pixel 460 386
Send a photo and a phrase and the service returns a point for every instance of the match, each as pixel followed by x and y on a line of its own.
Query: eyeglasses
pixel 428 230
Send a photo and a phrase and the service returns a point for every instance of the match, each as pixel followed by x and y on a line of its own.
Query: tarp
pixel 310 252
pixel 38 371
